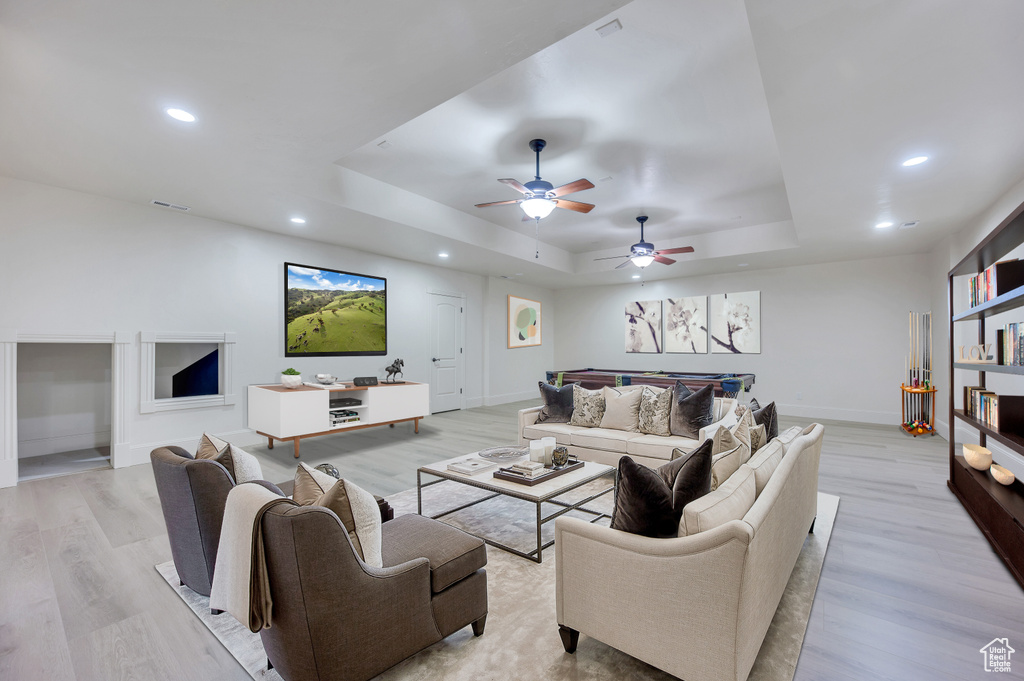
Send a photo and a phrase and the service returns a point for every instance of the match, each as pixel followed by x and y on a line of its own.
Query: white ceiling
pixel 768 132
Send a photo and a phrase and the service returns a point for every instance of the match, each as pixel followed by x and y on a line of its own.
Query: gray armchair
pixel 192 496
pixel 336 618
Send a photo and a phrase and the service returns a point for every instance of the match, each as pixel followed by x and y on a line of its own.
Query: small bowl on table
pixel 326 379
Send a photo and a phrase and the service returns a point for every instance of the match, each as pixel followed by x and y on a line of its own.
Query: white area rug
pixel 522 632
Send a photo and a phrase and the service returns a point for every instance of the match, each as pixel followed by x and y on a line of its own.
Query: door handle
pixel 435 359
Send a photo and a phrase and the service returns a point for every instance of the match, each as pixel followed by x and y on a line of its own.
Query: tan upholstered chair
pixel 335 618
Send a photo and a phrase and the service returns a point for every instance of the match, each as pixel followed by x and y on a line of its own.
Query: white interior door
pixel 446 352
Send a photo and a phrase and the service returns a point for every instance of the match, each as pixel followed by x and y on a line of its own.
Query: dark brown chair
pixel 335 618
pixel 192 495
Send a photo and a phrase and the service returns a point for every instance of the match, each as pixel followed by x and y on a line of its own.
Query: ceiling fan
pixel 643 254
pixel 542 197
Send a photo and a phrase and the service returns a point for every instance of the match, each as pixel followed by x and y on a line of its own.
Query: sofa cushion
pixel 691 411
pixel 787 436
pixel 767 416
pixel 356 508
pixel 650 502
pixel 602 438
pixel 731 501
pixel 557 403
pixel 765 463
pixel 453 554
pixel 724 464
pixel 559 431
pixel 659 447
pixel 621 407
pixel 587 407
pixel 655 407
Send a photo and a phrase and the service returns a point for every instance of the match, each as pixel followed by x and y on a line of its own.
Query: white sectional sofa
pixel 603 445
pixel 707 597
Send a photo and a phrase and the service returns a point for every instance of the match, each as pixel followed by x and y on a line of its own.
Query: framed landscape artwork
pixel 736 323
pixel 330 313
pixel 686 325
pixel 523 322
pixel 643 326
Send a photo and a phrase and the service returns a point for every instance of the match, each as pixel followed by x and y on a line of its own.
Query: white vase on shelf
pixel 291 380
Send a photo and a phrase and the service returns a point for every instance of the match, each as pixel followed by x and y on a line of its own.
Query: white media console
pixel 291 414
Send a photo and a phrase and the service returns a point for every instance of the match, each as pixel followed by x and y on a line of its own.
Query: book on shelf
pixel 472 465
pixel 996 280
pixel 1010 345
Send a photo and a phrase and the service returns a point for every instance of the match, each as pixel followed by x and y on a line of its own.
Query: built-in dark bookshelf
pixel 998 510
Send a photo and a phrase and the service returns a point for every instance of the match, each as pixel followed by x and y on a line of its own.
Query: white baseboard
pixel 62 443
pixel 834 414
pixel 474 402
pixel 139 454
pixel 8 472
pixel 495 400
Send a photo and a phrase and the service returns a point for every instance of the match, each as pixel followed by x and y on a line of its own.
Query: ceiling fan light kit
pixel 537 209
pixel 643 254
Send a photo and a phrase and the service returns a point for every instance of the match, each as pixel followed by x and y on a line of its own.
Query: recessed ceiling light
pixel 442 255
pixel 883 225
pixel 636 276
pixel 299 221
pixel 743 264
pixel 917 160
pixel 181 115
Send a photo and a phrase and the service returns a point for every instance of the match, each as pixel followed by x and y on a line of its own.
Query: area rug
pixel 522 633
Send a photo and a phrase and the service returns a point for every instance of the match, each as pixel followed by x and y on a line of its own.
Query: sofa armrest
pixel 527 417
pixel 672 603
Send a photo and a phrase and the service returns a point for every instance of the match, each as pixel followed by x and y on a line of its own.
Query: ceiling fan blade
pixel 663 261
pixel 515 184
pixel 497 203
pixel 667 251
pixel 577 186
pixel 624 264
pixel 574 205
pixel 614 257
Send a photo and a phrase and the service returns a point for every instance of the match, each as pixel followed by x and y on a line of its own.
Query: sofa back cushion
pixel 691 411
pixel 557 403
pixel 730 501
pixel 655 408
pixel 787 436
pixel 587 407
pixel 765 462
pixel 650 502
pixel 622 408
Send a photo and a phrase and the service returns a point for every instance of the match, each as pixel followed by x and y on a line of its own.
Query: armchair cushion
pixel 452 553
pixel 240 464
pixel 356 508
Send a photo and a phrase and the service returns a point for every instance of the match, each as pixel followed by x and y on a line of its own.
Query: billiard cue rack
pixel 918 415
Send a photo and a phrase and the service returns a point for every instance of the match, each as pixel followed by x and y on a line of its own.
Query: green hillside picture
pixel 328 312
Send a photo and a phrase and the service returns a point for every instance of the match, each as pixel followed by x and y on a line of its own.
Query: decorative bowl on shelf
pixel 1002 476
pixel 977 457
pixel 326 379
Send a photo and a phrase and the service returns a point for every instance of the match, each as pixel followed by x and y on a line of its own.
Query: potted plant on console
pixel 290 378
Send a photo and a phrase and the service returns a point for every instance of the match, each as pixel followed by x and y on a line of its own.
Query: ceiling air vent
pixel 164 204
pixel 909 225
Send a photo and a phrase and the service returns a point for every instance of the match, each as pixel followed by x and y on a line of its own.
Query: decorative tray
pixel 502 474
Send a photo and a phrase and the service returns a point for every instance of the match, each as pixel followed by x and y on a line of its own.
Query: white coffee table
pixel 539 494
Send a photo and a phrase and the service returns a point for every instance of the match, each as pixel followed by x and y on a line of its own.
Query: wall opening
pixel 63 408
pixel 187 370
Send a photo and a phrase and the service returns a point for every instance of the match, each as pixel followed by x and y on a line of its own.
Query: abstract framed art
pixel 523 322
pixel 736 323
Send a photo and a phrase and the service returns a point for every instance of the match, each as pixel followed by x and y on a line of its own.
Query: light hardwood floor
pixel 910 589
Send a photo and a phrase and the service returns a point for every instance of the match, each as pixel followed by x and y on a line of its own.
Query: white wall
pixel 833 336
pixel 513 373
pixel 78 262
pixel 63 397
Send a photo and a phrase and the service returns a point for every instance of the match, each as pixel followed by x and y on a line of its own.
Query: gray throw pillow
pixel 767 416
pixel 557 403
pixel 587 407
pixel 655 406
pixel 650 502
pixel 691 411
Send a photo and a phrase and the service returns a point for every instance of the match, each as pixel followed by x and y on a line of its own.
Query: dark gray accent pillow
pixel 650 502
pixel 557 403
pixel 766 416
pixel 691 411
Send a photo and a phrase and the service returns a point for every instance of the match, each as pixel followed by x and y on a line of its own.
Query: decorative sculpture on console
pixel 394 369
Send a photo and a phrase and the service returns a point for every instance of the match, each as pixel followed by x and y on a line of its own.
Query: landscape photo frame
pixel 333 313
pixel 524 322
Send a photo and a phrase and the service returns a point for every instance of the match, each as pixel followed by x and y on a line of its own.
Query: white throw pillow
pixel 621 409
pixel 731 501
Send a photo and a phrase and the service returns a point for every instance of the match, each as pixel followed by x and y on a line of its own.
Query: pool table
pixel 726 385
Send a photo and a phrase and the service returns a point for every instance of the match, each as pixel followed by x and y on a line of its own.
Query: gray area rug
pixel 522 633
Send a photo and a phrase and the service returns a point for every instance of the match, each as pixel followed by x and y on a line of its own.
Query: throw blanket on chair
pixel 240 584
